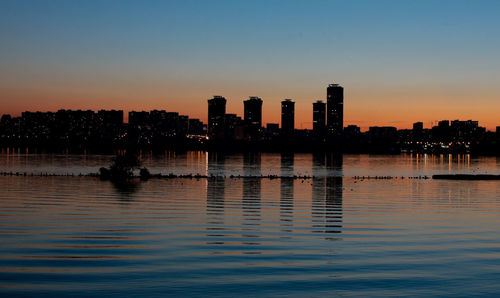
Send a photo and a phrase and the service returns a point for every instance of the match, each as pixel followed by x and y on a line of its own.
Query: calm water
pixel 331 235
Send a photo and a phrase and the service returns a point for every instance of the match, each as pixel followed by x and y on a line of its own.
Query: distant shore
pixel 236 150
pixel 466 177
pixel 270 177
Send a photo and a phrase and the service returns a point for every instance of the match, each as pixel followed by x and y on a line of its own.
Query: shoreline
pixel 199 176
pixel 270 177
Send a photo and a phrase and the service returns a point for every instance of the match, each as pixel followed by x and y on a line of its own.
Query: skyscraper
pixel 287 117
pixel 253 111
pixel 253 116
pixel 335 109
pixel 319 118
pixel 418 131
pixel 216 114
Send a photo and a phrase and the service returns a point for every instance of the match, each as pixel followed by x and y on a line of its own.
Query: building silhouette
pixel 272 131
pixel 234 128
pixel 253 116
pixel 138 118
pixel 105 131
pixel 182 125
pixel 418 131
pixel 335 109
pixel 287 117
pixel 111 123
pixel 253 111
pixel 196 127
pixel 112 118
pixel 319 119
pixel 352 131
pixel 418 126
pixel 216 117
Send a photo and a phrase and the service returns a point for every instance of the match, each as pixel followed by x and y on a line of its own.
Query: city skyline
pixel 228 131
pixel 399 61
pixel 304 112
pixel 127 115
pixel 253 109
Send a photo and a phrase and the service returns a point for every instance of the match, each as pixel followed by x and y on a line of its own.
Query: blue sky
pixel 150 54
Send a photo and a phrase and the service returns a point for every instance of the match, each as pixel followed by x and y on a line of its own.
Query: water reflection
pixel 318 209
pixel 286 192
pixel 61 235
pixel 195 162
pixel 444 162
pixel 326 200
pixel 126 189
pixel 251 185
pixel 333 200
pixel 251 197
pixel 215 196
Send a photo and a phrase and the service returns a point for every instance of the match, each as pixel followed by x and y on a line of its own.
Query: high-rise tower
pixel 253 111
pixel 319 118
pixel 335 109
pixel 216 114
pixel 287 117
pixel 253 116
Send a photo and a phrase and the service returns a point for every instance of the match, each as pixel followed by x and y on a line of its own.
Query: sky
pixel 399 61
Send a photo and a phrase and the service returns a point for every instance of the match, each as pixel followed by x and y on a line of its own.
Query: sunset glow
pixel 398 62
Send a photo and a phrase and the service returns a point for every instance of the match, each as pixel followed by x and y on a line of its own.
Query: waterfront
pixel 203 163
pixel 332 234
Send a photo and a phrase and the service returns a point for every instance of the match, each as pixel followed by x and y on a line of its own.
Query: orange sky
pixel 399 61
pixel 363 107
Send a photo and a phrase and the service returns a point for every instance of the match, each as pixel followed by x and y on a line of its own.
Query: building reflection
pixel 286 192
pixel 333 215
pixel 318 191
pixel 327 193
pixel 215 196
pixel 251 198
pixel 251 185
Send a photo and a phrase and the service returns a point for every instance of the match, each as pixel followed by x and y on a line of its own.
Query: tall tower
pixel 287 117
pixel 335 109
pixel 253 116
pixel 319 118
pixel 216 115
pixel 253 111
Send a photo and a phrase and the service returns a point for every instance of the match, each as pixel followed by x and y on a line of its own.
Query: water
pixel 330 235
